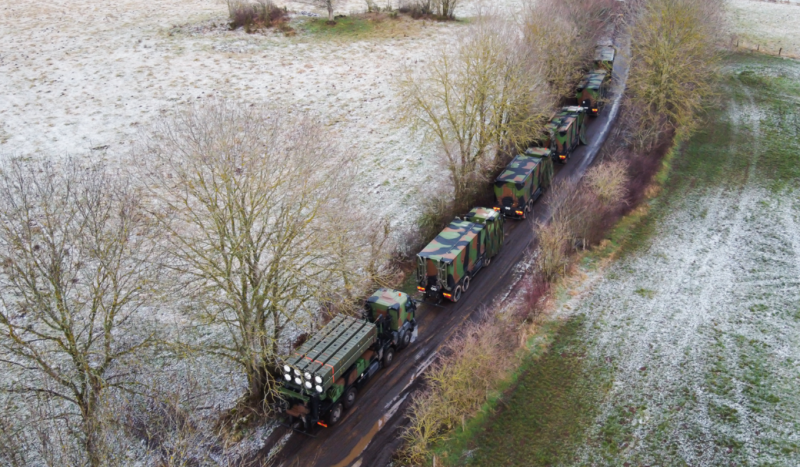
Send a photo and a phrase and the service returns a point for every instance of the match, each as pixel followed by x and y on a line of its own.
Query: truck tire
pixel 388 357
pixel 487 261
pixel 335 414
pixel 466 282
pixel 405 340
pixel 457 294
pixel 349 398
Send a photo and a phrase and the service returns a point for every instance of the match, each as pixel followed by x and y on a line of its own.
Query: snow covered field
pixel 770 25
pixel 84 76
pixel 702 326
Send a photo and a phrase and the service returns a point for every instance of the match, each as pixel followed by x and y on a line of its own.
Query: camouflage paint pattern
pixel 566 130
pixel 493 221
pixel 329 353
pixel 452 254
pixel 520 182
pixel 591 91
pixel 392 303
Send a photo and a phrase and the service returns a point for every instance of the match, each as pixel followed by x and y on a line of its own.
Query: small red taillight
pixel 497 209
pixel 519 213
pixel 447 295
pixel 322 424
pixel 562 157
pixel 594 110
pixel 421 289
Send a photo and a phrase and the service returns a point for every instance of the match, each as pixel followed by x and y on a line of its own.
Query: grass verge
pixel 549 414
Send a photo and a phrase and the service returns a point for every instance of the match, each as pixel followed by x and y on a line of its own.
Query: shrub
pixel 254 16
pixel 551 258
pixel 608 182
pixel 458 384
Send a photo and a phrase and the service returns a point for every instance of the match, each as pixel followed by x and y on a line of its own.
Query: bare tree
pixel 328 5
pixel 245 194
pixel 674 59
pixel 477 100
pixel 75 280
pixel 561 36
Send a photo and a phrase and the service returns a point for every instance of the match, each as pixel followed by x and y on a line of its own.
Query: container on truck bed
pixel 566 130
pixel 322 378
pixel 592 91
pixel 446 266
pixel 522 182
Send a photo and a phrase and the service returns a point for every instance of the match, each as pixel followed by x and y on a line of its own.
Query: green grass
pixel 544 417
pixel 348 27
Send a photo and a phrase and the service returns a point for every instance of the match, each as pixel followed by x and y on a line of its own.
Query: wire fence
pixel 769 49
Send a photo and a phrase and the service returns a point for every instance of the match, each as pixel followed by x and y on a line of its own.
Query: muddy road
pixel 369 432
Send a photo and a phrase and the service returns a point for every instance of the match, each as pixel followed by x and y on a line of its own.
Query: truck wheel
pixel 457 294
pixel 487 262
pixel 466 283
pixel 405 340
pixel 388 357
pixel 350 398
pixel 335 414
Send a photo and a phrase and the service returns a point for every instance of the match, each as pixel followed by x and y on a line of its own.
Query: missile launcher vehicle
pixel 322 378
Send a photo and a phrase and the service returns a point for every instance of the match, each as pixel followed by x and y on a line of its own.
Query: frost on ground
pixel 84 76
pixel 703 327
pixel 771 25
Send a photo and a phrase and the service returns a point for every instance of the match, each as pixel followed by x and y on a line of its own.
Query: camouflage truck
pixel 604 58
pixel 322 378
pixel 447 265
pixel 522 182
pixel 592 91
pixel 566 130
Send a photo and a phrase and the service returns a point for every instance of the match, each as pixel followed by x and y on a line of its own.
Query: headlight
pixel 298 382
pixel 319 388
pixel 318 379
pixel 308 384
pixel 308 376
pixel 287 369
pixel 288 377
pixel 297 372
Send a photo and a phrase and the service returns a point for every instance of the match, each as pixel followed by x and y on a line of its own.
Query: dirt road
pixel 370 431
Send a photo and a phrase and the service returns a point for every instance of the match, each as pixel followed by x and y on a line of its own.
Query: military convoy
pixel 322 378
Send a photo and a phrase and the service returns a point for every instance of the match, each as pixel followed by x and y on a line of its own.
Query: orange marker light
pixel 322 424
pixel 447 295
pixel 497 209
pixel 519 213
pixel 421 289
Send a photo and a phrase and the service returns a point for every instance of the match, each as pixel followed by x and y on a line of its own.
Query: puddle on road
pixel 362 445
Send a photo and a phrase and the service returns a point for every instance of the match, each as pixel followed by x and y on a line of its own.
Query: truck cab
pixel 592 91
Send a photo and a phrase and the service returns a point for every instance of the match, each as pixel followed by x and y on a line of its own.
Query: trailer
pixel 446 266
pixel 522 182
pixel 321 379
pixel 592 91
pixel 566 130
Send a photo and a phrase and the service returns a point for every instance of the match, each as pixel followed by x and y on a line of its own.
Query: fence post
pixel 758 48
pixel 779 51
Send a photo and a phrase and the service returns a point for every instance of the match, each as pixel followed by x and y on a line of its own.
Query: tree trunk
pixel 330 10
